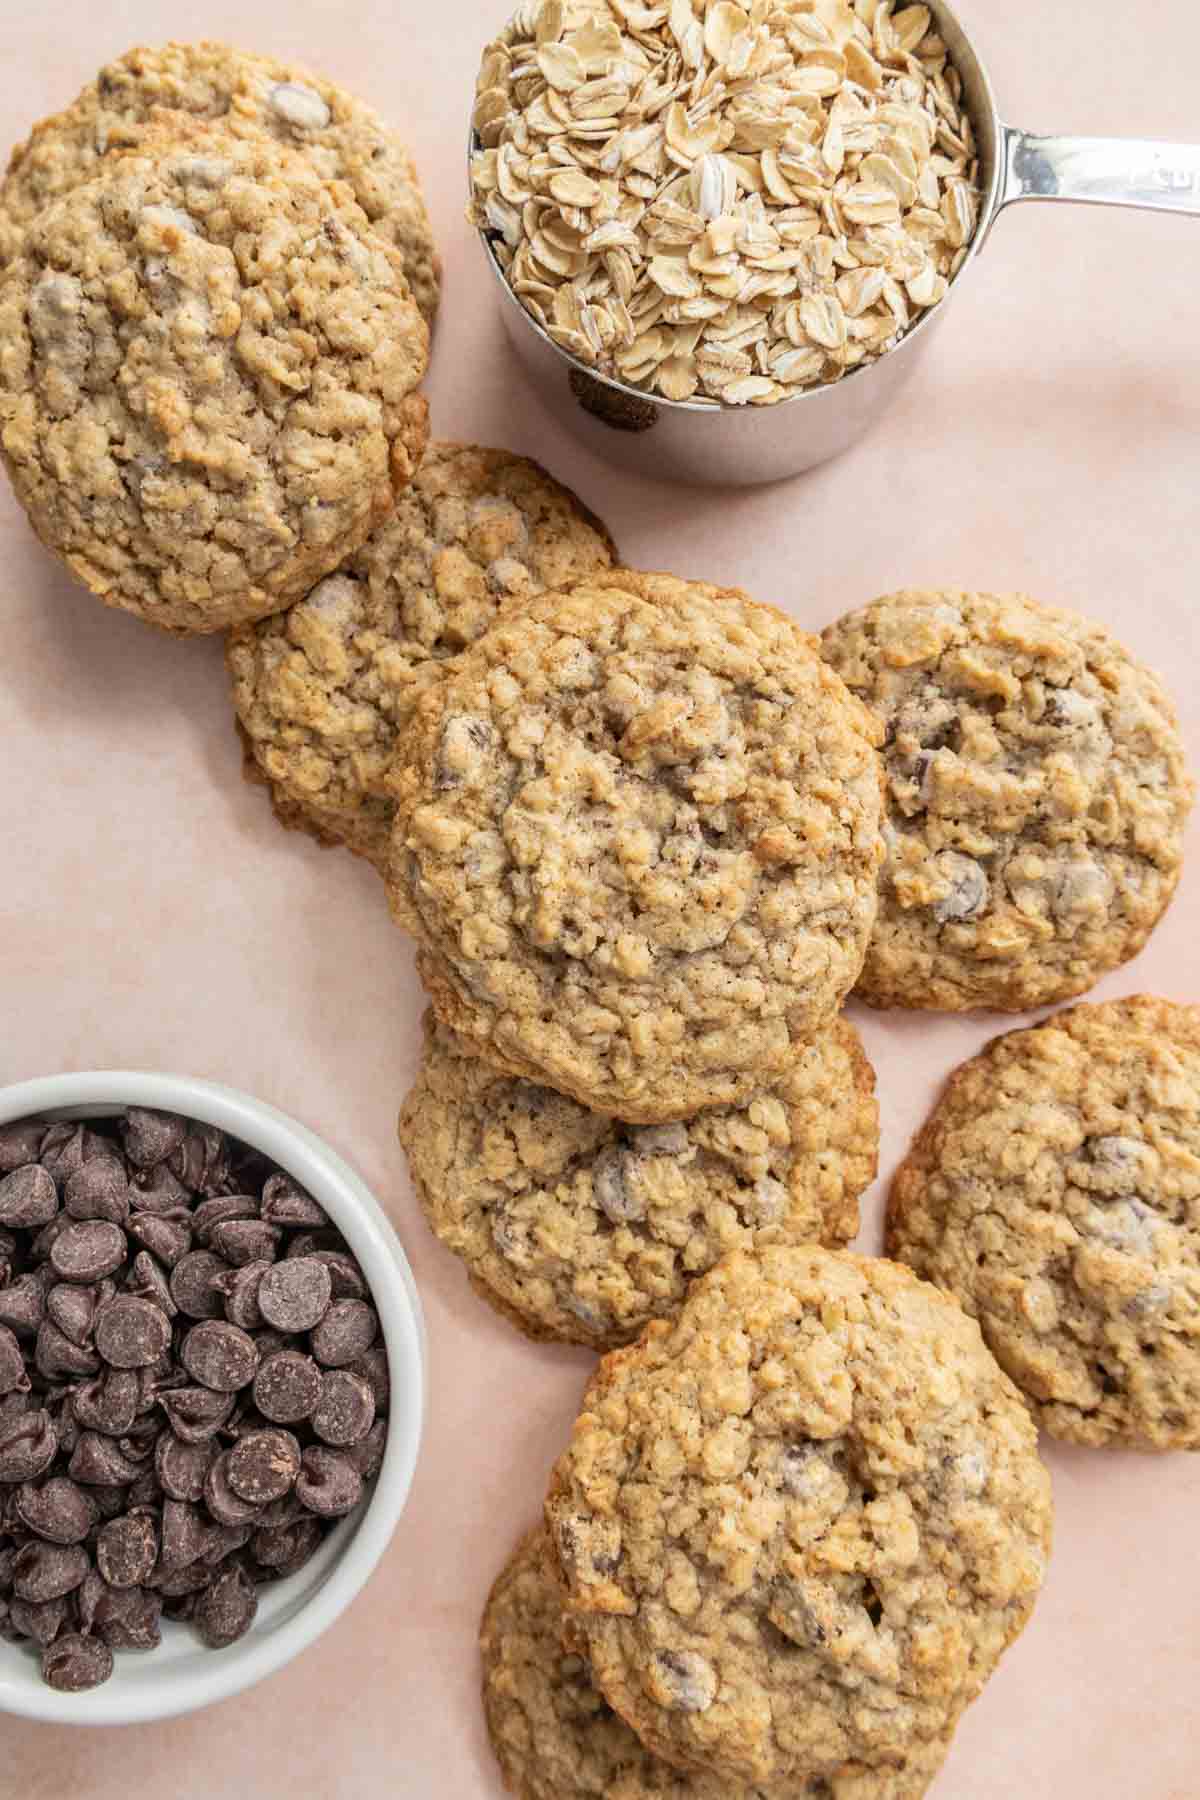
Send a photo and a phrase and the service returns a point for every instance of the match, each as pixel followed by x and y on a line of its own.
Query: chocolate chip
pixel 62 1150
pixel 367 1455
pixel 20 1143
pixel 128 1618
pixel 28 1197
pixel 201 1162
pixel 98 1461
pixel 689 1681
pixel 219 1355
pixel 27 1447
pixel 215 1211
pixel 150 1137
pixel 285 1202
pixel 285 1548
pixel 222 1499
pixel 23 1303
pixel 346 1279
pixel 167 1235
pixel 295 1294
pixel 98 1190
pixel 88 1249
pixel 73 1310
pixel 56 1355
pixel 156 1191
pixel 192 1281
pixel 328 1483
pixel 109 1403
pixel 59 1510
pixel 14 1377
pixel 131 1333
pixel 263 1465
pixel 373 1367
pixel 246 1240
pixel 147 1281
pixel 186 1534
pixel 239 1289
pixel 287 1387
pixel 225 1610
pixel 43 1571
pixel 196 1414
pixel 346 1331
pixel 345 1411
pixel 127 1550
pixel 73 1663
pixel 181 1467
pixel 40 1620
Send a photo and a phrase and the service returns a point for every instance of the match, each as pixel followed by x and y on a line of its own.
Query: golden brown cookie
pixel 324 689
pixel 208 365
pixel 246 96
pixel 637 838
pixel 800 1524
pixel 580 1228
pixel 556 1738
pixel 1036 798
pixel 1055 1191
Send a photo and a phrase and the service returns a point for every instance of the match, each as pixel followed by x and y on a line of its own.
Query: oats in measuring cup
pixel 722 203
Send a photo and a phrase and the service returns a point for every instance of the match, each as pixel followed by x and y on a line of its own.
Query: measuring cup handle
pixel 1101 171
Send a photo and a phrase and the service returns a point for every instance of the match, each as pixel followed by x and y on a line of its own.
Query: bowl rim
pixel 362 1221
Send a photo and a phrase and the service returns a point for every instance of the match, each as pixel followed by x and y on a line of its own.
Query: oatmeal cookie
pixel 556 1738
pixel 247 96
pixel 1036 798
pixel 578 1227
pixel 637 837
pixel 323 689
pixel 799 1525
pixel 1055 1191
pixel 207 374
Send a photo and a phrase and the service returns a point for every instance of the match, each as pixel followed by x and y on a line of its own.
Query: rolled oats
pixel 719 203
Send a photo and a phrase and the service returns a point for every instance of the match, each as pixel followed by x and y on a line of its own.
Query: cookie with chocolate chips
pixel 799 1525
pixel 324 690
pixel 1036 798
pixel 581 1228
pixel 637 838
pixel 1055 1191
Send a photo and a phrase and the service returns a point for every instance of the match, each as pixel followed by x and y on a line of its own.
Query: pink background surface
pixel 152 915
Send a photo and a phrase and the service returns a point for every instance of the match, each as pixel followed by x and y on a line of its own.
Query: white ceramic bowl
pixel 182 1674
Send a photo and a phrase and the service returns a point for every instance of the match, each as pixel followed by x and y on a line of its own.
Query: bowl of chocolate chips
pixel 212 1390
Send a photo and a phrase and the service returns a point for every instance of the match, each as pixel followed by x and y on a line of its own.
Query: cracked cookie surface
pixel 637 838
pixel 555 1736
pixel 578 1227
pixel 245 95
pixel 800 1524
pixel 1036 798
pixel 324 689
pixel 207 375
pixel 1055 1191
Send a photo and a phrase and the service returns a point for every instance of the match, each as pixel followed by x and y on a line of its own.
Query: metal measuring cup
pixel 744 446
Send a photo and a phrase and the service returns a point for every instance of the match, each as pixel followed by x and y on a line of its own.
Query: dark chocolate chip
pixel 287 1387
pixel 222 1500
pixel 88 1249
pixel 40 1620
pixel 58 1510
pixel 27 1447
pixel 328 1482
pixel 167 1235
pixel 150 1137
pixel 43 1571
pixel 56 1355
pixel 196 1414
pixel 192 1287
pixel 345 1333
pixel 98 1190
pixel 73 1309
pixel 147 1281
pixel 221 1207
pixel 23 1302
pixel 219 1355
pixel 109 1403
pixel 246 1240
pixel 345 1411
pixel 73 1663
pixel 367 1454
pixel 295 1294
pixel 225 1610
pixel 28 1198
pixel 239 1289
pixel 373 1367
pixel 285 1202
pixel 131 1333
pixel 128 1618
pixel 181 1467
pixel 14 1377
pixel 127 1550
pixel 20 1143
pixel 346 1279
pixel 97 1461
pixel 263 1465
pixel 285 1548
